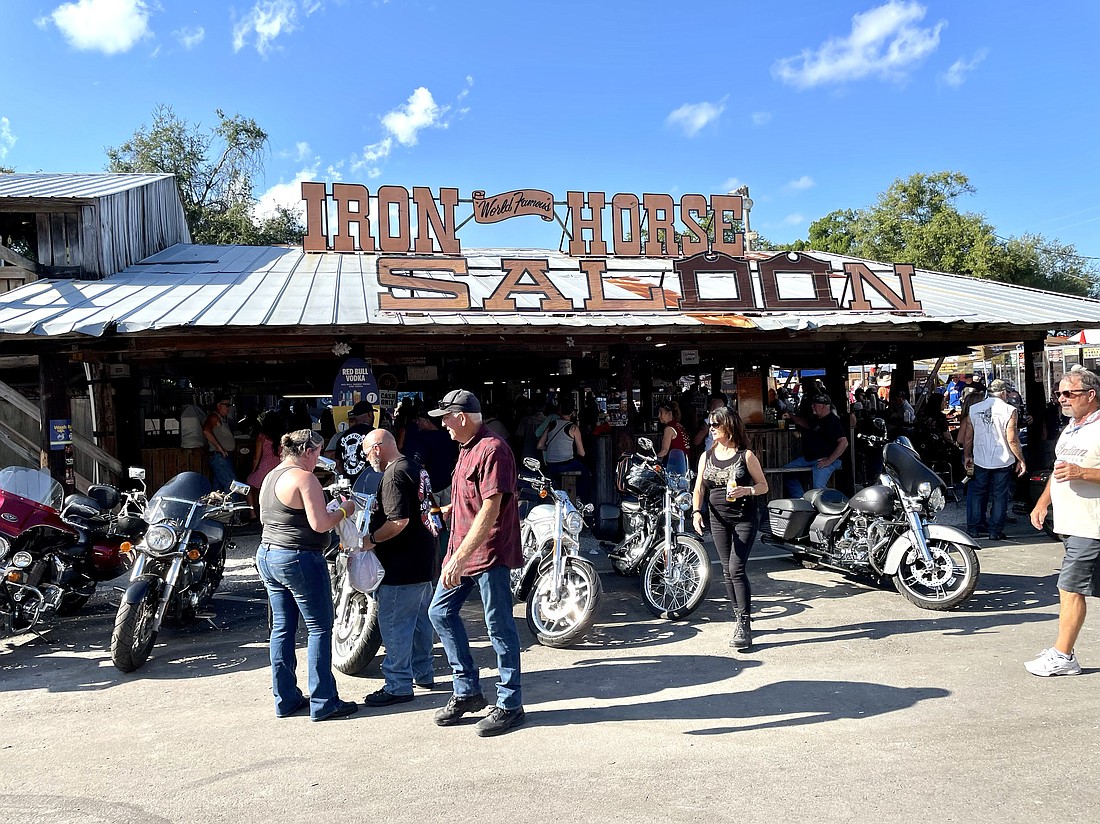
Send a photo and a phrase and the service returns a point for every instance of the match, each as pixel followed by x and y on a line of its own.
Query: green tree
pixel 916 221
pixel 214 170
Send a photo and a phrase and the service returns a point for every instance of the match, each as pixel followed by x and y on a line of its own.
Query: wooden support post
pixel 1034 394
pixel 55 411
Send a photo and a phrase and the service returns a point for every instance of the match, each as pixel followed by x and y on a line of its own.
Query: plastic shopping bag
pixel 365 571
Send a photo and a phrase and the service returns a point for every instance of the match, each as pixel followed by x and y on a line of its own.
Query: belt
pixel 288 548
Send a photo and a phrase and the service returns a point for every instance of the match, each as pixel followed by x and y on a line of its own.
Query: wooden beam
pixel 32 269
pixel 80 442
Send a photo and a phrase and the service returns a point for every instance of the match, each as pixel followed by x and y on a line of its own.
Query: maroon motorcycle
pixel 55 549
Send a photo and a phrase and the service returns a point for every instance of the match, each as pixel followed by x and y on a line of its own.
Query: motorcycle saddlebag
pixel 606 525
pixel 789 517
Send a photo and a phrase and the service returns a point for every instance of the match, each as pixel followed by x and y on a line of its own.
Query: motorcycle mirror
pixel 879 424
pixel 239 488
pixel 532 464
pixel 137 473
pixel 646 444
pixel 327 464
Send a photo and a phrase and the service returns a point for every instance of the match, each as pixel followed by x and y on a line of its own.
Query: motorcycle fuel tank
pixel 873 500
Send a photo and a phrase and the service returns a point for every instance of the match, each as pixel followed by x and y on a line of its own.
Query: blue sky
pixel 815 106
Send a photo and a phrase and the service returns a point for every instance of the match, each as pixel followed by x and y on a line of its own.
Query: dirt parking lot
pixel 853 705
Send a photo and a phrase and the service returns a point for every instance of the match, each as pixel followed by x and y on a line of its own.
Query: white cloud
pixel 419 112
pixel 267 20
pixel 7 139
pixel 189 38
pixel 691 117
pixel 730 185
pixel 956 75
pixel 109 26
pixel 760 118
pixel 302 149
pixel 804 182
pixel 794 219
pixel 885 42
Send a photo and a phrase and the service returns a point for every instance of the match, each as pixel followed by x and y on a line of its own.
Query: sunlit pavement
pixel 852 704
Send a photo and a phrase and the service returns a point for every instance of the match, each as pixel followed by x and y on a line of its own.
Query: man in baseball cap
pixel 351 461
pixel 484 547
pixel 457 400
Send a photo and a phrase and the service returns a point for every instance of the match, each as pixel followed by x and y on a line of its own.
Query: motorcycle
pixel 356 637
pixel 562 590
pixel 884 530
pixel 178 563
pixel 674 565
pixel 54 549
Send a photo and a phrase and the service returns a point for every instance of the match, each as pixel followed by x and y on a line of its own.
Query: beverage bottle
pixel 436 516
pixel 731 489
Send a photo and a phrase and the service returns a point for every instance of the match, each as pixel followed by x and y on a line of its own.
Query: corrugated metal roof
pixel 249 286
pixel 72 186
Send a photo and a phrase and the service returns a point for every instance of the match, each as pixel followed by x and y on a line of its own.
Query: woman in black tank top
pixel 292 566
pixel 729 477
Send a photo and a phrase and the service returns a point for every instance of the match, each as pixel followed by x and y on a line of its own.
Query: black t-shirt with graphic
pixel 408 558
pixel 349 450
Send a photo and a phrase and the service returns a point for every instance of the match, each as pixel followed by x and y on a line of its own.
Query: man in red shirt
pixel 484 546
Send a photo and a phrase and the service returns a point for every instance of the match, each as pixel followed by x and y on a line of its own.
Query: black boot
pixel 742 634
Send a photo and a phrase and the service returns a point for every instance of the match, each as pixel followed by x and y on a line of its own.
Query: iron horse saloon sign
pixel 420 265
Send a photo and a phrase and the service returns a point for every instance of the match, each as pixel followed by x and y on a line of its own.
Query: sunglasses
pixel 1070 393
pixel 713 424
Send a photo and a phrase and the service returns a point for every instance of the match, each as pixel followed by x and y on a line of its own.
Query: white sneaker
pixel 1052 662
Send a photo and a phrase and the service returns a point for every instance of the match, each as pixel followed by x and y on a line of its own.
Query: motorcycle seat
pixel 80 506
pixel 827 501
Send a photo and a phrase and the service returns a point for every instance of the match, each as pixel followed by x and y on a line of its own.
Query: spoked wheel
pixel 356 637
pixel 134 636
pixel 561 622
pixel 945 583
pixel 678 594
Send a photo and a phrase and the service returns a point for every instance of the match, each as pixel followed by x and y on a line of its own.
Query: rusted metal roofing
pixel 192 286
pixel 72 186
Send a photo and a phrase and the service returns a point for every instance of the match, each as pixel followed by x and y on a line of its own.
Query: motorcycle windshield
pixel 174 500
pixel 908 469
pixel 33 484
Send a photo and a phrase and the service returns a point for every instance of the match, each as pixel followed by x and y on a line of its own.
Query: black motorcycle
pixel 884 530
pixel 652 519
pixel 178 565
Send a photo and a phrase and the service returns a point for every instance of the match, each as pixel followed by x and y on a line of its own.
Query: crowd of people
pixel 473 464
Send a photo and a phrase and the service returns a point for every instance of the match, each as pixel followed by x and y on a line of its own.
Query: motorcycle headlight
pixel 937 500
pixel 160 538
pixel 573 522
pixel 22 559
pixel 683 501
pixel 925 489
pixel 5 545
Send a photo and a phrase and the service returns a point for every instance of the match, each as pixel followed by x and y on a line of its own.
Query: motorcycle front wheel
pixel 356 637
pixel 687 580
pixel 945 583
pixel 134 636
pixel 563 622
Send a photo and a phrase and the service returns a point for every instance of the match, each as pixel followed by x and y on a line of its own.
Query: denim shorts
pixel 1080 567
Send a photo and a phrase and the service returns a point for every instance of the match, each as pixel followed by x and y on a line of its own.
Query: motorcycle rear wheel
pixel 688 581
pixel 133 637
pixel 950 580
pixel 564 623
pixel 356 637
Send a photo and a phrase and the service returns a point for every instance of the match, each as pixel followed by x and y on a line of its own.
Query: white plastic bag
pixel 365 571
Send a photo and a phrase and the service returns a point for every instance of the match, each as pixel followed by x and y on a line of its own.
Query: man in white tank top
pixel 1074 490
pixel 991 445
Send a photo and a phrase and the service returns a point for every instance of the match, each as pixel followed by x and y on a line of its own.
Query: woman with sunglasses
pixel 729 476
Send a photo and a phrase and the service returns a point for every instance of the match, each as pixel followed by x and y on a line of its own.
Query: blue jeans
pixel 496 597
pixel 988 487
pixel 793 486
pixel 298 584
pixel 221 467
pixel 406 634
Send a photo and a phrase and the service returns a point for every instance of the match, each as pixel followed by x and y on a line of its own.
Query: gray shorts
pixel 1080 567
